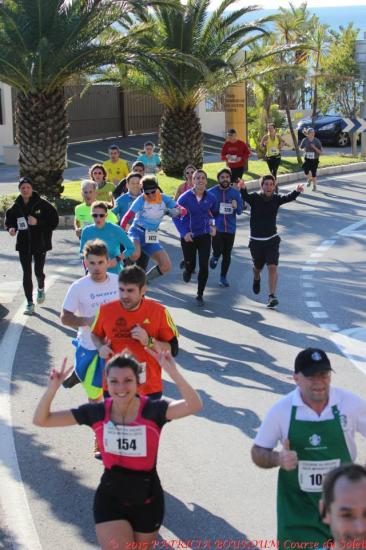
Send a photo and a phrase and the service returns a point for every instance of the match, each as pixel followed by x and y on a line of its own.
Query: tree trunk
pixel 354 138
pixel 41 133
pixel 181 141
pixel 292 132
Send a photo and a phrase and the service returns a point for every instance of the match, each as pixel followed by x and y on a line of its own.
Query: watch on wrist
pixel 150 342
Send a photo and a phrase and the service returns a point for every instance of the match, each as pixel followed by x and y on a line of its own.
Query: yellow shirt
pixel 273 146
pixel 116 170
pixel 105 192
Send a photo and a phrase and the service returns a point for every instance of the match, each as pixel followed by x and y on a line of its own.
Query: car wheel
pixel 343 139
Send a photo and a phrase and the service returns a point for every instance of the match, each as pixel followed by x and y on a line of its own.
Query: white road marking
pixel 313 304
pixel 311 262
pixel 307 276
pixel 307 285
pixel 352 343
pixel 103 153
pixel 319 314
pixel 75 162
pixel 310 294
pixel 308 268
pixel 329 326
pixel 89 158
pixel 316 255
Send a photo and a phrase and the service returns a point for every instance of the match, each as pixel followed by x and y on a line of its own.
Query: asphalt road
pixel 235 351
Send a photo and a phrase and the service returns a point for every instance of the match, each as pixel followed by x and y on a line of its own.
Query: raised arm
pixel 43 416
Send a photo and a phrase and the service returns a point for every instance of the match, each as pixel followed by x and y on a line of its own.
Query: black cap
pixel 231 131
pixel 149 183
pixel 25 180
pixel 312 360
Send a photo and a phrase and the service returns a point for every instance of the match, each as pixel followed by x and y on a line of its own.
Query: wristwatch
pixel 150 342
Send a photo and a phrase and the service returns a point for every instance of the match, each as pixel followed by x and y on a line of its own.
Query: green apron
pixel 320 447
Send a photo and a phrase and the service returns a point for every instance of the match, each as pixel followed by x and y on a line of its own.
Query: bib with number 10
pixel 124 440
pixel 151 237
pixel 312 473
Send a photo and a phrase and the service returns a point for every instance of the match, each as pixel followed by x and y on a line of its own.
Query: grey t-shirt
pixel 309 151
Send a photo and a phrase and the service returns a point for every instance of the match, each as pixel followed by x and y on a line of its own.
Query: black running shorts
pixel 143 518
pixel 310 165
pixel 265 252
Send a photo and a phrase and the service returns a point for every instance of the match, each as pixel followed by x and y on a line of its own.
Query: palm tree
pixel 215 40
pixel 43 43
pixel 319 42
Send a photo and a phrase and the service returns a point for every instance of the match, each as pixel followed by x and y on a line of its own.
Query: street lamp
pixel 361 62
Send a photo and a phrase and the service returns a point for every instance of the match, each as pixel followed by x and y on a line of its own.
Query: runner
pixel 105 188
pixel 187 183
pixel 230 204
pixel 116 167
pixel 83 215
pixel 123 203
pixel 344 506
pixel 32 220
pixel 151 160
pixel 129 502
pixel 236 153
pixel 264 241
pixel 135 323
pixel 316 424
pixel 121 188
pixel 312 148
pixel 272 144
pixel 196 228
pixel 79 310
pixel 143 219
pixel 111 234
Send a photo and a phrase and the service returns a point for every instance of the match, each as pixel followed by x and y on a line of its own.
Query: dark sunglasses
pixel 150 192
pixel 98 215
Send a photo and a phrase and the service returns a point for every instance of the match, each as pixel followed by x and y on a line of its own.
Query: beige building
pixel 6 120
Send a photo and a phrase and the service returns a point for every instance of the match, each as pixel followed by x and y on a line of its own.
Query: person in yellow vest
pixel 104 188
pixel 116 167
pixel 272 144
pixel 83 215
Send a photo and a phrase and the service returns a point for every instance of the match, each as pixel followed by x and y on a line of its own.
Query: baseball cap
pixel 24 180
pixel 311 361
pixel 231 131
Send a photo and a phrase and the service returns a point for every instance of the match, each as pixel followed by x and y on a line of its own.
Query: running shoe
pixel 308 183
pixel 199 300
pixel 256 286
pixel 97 453
pixel 41 296
pixel 186 276
pixel 29 309
pixel 272 301
pixel 71 381
pixel 213 262
pixel 224 282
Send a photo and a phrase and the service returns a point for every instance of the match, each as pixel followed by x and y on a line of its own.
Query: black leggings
pixel 222 244
pixel 26 262
pixel 202 245
pixel 273 164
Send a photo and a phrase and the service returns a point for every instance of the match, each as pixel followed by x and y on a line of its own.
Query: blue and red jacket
pixel 226 223
pixel 200 214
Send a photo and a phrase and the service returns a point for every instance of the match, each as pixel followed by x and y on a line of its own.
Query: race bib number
pixel 310 155
pixel 312 473
pixel 22 224
pixel 151 237
pixel 226 208
pixel 124 440
pixel 232 158
pixel 274 151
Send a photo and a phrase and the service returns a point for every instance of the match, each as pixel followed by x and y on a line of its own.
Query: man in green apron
pixel 316 425
pixel 343 506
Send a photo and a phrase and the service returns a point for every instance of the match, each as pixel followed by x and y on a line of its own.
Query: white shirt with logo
pixel 276 424
pixel 84 298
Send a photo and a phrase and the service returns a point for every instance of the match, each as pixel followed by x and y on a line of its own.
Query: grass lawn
pixel 257 168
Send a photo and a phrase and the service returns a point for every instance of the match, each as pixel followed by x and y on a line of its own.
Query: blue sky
pixel 269 4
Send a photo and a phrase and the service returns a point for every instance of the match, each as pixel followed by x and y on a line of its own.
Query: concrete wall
pixel 212 122
pixel 6 129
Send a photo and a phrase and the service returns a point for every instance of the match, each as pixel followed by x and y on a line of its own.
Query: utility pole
pixel 361 62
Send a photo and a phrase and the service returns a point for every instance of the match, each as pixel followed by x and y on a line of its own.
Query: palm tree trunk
pixel 41 132
pixel 292 131
pixel 181 141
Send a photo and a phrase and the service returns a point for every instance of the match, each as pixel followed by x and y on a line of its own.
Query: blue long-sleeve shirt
pixel 225 219
pixel 122 204
pixel 199 213
pixel 113 236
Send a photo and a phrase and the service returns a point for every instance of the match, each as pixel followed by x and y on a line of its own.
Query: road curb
pixel 67 222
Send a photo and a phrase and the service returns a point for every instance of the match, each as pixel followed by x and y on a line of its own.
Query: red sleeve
pixel 127 218
pixel 167 328
pixel 98 328
pixel 224 151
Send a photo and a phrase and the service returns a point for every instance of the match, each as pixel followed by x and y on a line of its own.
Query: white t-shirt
pixel 85 296
pixel 276 423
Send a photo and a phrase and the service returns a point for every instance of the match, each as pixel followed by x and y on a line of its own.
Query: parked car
pixel 328 128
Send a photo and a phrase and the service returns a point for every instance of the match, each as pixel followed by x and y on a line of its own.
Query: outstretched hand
pixel 300 188
pixel 57 376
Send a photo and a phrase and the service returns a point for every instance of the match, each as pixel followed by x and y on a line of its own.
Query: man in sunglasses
pixel 111 234
pixel 142 221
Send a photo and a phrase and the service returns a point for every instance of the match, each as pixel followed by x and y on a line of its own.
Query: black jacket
pixel 35 238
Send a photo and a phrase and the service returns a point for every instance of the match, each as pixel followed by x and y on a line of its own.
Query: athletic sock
pixel 153 273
